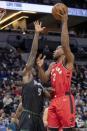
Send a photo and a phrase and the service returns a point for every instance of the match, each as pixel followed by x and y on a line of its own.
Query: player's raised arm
pixel 65 42
pixel 32 56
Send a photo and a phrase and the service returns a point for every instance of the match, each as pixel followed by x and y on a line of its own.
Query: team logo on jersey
pixel 53 73
pixel 56 69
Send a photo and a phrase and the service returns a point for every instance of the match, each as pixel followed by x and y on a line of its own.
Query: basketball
pixel 59 9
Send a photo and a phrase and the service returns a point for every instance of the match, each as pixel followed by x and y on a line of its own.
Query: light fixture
pixel 15 14
pixel 22 17
pixel 30 12
pixel 9 17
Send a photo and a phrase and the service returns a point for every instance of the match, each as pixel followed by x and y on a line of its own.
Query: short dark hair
pixel 60 46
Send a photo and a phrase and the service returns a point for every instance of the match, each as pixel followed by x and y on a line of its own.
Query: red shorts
pixel 61 112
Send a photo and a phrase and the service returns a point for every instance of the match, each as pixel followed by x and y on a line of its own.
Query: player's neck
pixel 61 59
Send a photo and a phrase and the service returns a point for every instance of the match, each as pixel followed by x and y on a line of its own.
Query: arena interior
pixel 16 34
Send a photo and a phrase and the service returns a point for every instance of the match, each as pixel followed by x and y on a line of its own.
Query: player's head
pixel 58 52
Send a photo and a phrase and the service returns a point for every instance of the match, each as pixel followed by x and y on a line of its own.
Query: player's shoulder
pixel 50 67
pixel 52 64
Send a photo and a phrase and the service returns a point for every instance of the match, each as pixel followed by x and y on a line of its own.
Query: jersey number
pixel 54 74
pixel 39 91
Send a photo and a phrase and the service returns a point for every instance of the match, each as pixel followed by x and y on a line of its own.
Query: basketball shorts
pixel 61 112
pixel 29 122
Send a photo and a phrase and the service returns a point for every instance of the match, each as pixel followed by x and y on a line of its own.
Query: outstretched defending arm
pixel 65 42
pixel 32 56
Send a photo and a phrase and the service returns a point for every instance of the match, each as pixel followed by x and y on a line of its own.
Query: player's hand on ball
pixel 40 60
pixel 60 12
pixel 38 27
pixel 64 17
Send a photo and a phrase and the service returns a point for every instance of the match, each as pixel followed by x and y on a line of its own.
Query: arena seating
pixel 79 89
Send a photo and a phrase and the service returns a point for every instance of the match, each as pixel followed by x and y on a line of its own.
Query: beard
pixel 55 58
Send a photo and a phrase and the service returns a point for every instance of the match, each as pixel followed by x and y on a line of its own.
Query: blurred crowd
pixel 79 89
pixel 10 94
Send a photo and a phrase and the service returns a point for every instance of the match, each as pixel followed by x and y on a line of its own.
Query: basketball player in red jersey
pixel 61 111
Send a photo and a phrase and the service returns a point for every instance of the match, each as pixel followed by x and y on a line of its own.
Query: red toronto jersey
pixel 60 79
